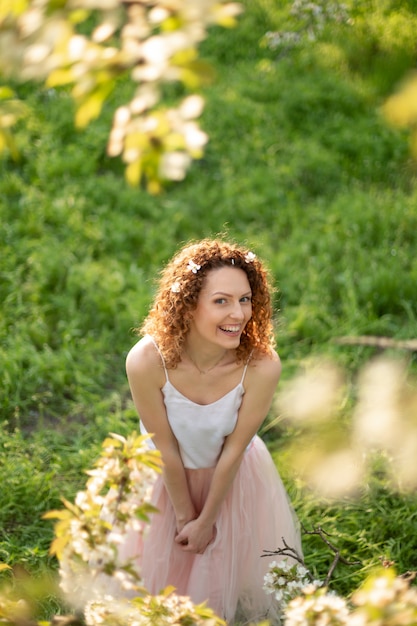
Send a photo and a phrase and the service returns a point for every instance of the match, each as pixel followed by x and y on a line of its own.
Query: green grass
pixel 300 165
pixel 374 526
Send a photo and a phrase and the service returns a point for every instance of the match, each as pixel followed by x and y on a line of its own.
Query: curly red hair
pixel 168 320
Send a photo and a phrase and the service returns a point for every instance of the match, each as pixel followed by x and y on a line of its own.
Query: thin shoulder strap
pixel 161 355
pixel 245 368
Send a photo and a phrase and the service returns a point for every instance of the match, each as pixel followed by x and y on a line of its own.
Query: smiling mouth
pixel 232 330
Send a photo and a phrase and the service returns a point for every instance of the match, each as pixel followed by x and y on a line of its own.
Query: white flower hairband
pixel 194 267
pixel 250 257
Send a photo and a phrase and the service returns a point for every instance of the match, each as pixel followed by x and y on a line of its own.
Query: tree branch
pixel 287 551
pixel 383 343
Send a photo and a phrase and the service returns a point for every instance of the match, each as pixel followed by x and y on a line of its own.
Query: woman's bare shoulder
pixel 143 356
pixel 266 366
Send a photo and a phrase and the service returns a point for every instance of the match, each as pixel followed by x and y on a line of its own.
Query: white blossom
pixel 317 608
pixel 285 580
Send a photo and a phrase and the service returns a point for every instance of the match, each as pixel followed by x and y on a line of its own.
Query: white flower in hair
pixel 250 257
pixel 193 267
pixel 176 287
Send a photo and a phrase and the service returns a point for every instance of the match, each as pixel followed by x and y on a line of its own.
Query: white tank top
pixel 200 429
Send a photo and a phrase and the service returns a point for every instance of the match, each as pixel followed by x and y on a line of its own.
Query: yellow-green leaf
pixel 136 140
pixel 60 77
pixel 71 507
pixel 4 566
pixel 87 111
pixel 119 438
pixel 171 24
pixel 7 142
pixel 401 108
pixel 90 107
pixel 79 16
pixel 133 173
pixel 61 514
pixel 13 7
pixel 154 186
pixel 3 141
pixel 6 92
pixel 197 73
pixel 110 442
pixel 57 546
pixel 168 590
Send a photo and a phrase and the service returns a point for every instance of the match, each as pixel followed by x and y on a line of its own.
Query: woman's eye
pixel 220 300
pixel 246 299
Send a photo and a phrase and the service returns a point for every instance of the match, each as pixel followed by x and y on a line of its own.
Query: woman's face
pixel 224 307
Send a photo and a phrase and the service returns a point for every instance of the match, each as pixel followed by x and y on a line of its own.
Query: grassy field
pixel 301 166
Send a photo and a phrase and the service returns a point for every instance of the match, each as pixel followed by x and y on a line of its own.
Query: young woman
pixel 202 378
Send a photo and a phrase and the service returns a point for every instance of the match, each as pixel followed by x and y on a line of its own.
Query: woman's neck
pixel 204 360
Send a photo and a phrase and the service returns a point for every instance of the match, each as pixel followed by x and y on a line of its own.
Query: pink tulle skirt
pixel 254 517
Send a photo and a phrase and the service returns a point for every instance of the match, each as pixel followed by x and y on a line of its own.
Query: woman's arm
pixel 146 378
pixel 261 381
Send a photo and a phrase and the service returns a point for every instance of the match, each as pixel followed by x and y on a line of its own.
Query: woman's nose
pixel 237 312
